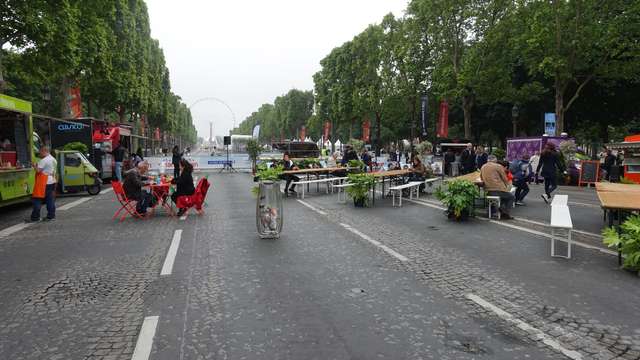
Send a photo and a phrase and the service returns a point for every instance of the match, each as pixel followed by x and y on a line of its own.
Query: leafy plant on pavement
pixel 265 173
pixel 356 166
pixel 359 191
pixel 499 153
pixel 77 146
pixel 458 196
pixel 627 240
pixel 253 150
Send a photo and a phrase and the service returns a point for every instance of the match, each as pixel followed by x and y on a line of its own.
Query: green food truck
pixel 16 150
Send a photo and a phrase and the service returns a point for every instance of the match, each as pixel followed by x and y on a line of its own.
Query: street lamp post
pixel 515 111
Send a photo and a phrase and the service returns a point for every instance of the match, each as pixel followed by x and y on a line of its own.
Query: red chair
pixel 196 200
pixel 129 206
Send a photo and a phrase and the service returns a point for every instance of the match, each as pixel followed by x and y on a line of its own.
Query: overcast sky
pixel 247 52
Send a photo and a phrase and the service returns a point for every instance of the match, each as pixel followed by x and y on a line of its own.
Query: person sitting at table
pixel 134 180
pixel 332 161
pixel 184 183
pixel 495 181
pixel 288 166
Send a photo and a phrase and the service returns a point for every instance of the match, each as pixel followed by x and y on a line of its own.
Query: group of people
pixel 136 179
pixel 468 160
pixel 499 177
pixel 120 154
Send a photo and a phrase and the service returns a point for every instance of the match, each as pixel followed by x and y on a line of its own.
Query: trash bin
pixel 269 212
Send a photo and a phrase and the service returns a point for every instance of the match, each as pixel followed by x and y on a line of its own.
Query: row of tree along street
pixel 101 47
pixel 579 59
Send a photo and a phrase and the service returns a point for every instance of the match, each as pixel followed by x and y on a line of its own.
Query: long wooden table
pixel 316 171
pixel 617 199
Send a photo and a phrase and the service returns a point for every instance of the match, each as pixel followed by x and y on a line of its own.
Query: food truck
pixel 631 149
pixel 16 150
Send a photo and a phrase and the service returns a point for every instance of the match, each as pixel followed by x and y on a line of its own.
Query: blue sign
pixel 70 127
pixel 550 124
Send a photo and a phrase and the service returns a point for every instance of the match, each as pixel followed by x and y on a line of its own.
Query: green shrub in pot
pixel 627 240
pixel 359 191
pixel 458 196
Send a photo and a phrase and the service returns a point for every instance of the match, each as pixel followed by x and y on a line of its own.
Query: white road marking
pixel 106 191
pixel 167 268
pixel 584 204
pixel 545 224
pixel 384 248
pixel 312 207
pixel 13 229
pixel 145 338
pixel 183 217
pixel 534 232
pixel 540 335
pixel 73 204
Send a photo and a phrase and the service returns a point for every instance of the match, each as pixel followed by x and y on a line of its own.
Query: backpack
pixel 521 170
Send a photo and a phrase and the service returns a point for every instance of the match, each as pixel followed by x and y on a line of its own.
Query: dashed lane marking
pixel 73 204
pixel 145 339
pixel 13 229
pixel 106 191
pixel 312 207
pixel 376 243
pixel 521 228
pixel 167 268
pixel 539 334
pixel 183 217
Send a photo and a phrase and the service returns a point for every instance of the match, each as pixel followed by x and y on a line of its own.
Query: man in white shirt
pixel 46 165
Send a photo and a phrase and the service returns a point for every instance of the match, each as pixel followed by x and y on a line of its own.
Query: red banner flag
pixel 443 120
pixel 303 133
pixel 366 130
pixel 157 134
pixel 327 129
pixel 75 103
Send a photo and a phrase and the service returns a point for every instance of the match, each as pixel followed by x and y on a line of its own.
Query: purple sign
pixel 517 147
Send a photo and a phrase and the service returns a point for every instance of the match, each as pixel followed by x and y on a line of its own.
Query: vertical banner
pixel 156 134
pixel 366 131
pixel 443 120
pixel 75 103
pixel 550 124
pixel 423 112
pixel 327 129
pixel 256 132
pixel 303 133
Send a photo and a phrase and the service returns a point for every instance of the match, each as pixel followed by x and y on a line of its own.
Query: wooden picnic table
pixel 617 199
pixel 314 170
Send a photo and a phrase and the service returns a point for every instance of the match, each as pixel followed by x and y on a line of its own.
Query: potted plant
pixel 359 191
pixel 627 240
pixel 253 150
pixel 355 166
pixel 458 196
pixel 269 210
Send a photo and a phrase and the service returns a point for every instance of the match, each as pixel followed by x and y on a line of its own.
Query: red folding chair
pixel 129 206
pixel 196 200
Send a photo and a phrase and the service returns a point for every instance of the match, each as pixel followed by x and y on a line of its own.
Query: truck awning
pixel 624 146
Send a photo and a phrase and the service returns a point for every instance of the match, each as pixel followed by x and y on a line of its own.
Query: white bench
pixel 560 223
pixel 341 190
pixel 412 186
pixel 429 185
pixel 326 181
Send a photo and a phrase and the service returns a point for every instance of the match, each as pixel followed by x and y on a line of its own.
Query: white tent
pixel 338 145
pixel 308 139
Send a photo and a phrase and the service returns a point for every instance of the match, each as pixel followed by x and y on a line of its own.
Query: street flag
pixel 256 132
pixel 327 129
pixel 443 120
pixel 423 112
pixel 366 131
pixel 75 103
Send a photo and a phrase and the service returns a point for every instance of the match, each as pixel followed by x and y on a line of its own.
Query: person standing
pixel 47 165
pixel 175 160
pixel 481 157
pixel 118 158
pixel 550 164
pixel 521 178
pixel 534 161
pixel 366 159
pixel 609 162
pixel 495 181
pixel 468 160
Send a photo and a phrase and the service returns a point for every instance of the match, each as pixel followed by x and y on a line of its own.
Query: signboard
pixel 366 131
pixel 423 112
pixel 589 172
pixel 443 120
pixel 64 132
pixel 550 124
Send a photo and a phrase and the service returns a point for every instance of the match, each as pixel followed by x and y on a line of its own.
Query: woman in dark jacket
pixel 550 164
pixel 175 160
pixel 184 183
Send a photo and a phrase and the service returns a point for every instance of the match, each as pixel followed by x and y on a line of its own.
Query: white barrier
pixel 238 161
